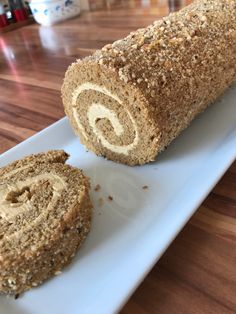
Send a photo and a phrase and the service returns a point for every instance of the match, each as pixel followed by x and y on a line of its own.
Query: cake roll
pixel 129 100
pixel 45 215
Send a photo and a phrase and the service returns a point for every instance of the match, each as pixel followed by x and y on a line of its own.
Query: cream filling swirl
pixel 9 210
pixel 98 111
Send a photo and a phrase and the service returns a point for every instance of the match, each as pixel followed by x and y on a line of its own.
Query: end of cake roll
pixel 108 114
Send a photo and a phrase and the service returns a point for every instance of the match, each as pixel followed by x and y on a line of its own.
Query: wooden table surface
pixel 197 274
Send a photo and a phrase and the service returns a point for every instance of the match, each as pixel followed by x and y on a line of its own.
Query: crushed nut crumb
pixel 97 187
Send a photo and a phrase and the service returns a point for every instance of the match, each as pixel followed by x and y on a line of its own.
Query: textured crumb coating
pixel 165 74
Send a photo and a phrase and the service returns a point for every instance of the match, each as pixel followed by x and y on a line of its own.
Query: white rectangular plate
pixel 130 233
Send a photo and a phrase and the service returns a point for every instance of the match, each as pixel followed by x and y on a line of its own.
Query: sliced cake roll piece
pixel 45 215
pixel 129 100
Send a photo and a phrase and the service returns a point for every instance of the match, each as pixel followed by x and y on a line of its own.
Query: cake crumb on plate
pixel 97 187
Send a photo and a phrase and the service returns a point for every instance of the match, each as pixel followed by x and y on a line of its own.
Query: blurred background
pixel 49 12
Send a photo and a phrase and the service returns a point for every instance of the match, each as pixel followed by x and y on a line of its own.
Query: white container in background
pixel 2 11
pixel 49 12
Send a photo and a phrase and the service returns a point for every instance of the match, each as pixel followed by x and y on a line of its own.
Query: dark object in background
pixel 3 20
pixel 10 18
pixel 175 5
pixel 18 10
pixel 27 8
pixel 3 17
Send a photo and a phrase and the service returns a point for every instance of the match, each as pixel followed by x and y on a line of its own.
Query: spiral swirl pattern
pixel 15 200
pixel 98 111
pixel 45 215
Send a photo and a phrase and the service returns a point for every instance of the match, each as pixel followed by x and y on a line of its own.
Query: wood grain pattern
pixel 197 274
